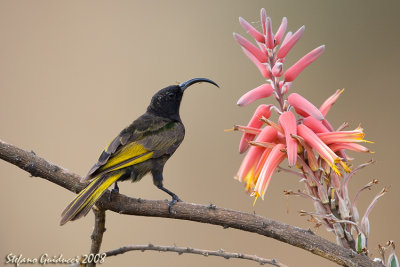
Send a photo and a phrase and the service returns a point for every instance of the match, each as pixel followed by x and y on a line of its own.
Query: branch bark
pixel 182 250
pixel 98 231
pixel 210 214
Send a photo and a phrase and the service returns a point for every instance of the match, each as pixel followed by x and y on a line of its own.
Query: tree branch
pixel 295 236
pixel 98 231
pixel 181 250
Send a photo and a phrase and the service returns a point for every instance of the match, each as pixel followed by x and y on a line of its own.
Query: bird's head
pixel 166 102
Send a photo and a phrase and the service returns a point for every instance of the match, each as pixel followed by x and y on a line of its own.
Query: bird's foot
pixel 175 199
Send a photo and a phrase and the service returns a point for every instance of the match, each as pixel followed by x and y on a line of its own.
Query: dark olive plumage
pixel 142 147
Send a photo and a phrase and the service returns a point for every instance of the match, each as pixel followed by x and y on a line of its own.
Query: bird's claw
pixel 174 199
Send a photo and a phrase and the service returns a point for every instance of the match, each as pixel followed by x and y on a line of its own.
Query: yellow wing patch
pixel 127 152
pixel 136 161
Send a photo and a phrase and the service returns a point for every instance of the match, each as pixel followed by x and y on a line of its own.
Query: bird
pixel 142 147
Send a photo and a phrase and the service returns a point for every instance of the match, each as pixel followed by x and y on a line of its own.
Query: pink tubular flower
pixel 286 46
pixel 262 91
pixel 263 16
pixel 261 67
pixel 354 136
pixel 247 169
pixel 274 159
pixel 251 30
pixel 304 107
pixel 326 106
pixel 315 125
pixel 300 65
pixel 251 48
pixel 281 31
pixel 322 149
pixel 260 165
pixel 269 35
pixel 287 38
pixel 349 146
pixel 288 123
pixel 261 111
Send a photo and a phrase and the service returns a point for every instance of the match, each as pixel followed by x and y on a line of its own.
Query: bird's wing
pixel 147 137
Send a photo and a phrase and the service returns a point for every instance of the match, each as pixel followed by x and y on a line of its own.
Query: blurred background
pixel 73 74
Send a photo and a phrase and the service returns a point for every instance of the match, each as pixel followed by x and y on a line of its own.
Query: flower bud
pixel 281 31
pixel 361 244
pixel 250 47
pixel 277 70
pixel 393 261
pixel 300 65
pixel 251 30
pixel 288 45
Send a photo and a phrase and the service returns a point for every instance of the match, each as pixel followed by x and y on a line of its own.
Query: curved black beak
pixel 188 83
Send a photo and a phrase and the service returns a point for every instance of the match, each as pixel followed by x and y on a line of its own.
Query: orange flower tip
pixel 229 130
pixel 345 167
pixel 336 170
pixel 256 196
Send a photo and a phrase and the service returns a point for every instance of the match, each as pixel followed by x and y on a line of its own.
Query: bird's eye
pixel 170 95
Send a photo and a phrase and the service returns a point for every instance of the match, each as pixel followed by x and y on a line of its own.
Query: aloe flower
pixel 322 149
pixel 288 123
pixel 302 134
pixel 262 91
pixel 300 65
pixel 326 106
pixel 249 164
pixel 343 136
pixel 304 107
pixel 275 157
pixel 261 111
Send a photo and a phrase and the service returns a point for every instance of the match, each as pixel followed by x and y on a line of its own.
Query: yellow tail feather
pixel 84 201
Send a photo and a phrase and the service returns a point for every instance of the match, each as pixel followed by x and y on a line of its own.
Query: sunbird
pixel 142 147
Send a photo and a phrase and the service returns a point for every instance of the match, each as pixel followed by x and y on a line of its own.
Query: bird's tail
pixel 85 200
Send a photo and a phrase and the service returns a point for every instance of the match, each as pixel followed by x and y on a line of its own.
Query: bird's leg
pixel 115 189
pixel 175 198
pixel 158 181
